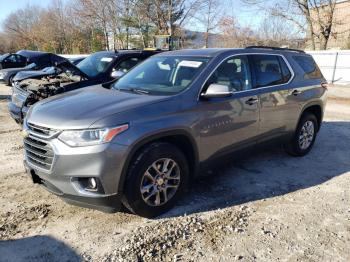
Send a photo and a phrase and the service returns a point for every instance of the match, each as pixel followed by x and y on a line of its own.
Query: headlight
pixel 90 137
pixel 2 75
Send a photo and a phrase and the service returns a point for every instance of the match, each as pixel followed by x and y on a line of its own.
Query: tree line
pixel 85 26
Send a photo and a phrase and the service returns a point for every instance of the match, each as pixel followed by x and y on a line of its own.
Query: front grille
pixel 41 131
pixel 38 152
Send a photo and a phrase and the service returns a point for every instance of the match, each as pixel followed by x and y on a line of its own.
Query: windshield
pixel 30 66
pixel 162 75
pixel 95 64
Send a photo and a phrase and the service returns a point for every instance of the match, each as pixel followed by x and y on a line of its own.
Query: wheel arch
pixel 316 109
pixel 180 138
pixel 9 78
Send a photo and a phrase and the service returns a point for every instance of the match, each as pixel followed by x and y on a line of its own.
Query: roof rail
pixel 275 48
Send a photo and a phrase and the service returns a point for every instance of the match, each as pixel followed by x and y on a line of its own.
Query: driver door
pixel 21 60
pixel 10 61
pixel 232 122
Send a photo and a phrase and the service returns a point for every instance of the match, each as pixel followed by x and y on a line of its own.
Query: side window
pixel 127 64
pixel 233 72
pixel 307 63
pixel 12 59
pixel 270 70
pixel 20 59
pixel 23 59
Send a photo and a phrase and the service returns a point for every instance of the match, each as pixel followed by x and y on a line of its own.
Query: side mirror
pixel 217 91
pixel 117 74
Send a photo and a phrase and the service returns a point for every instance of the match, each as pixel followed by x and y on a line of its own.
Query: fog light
pixel 92 183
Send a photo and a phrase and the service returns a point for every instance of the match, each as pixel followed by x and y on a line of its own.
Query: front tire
pixel 304 137
pixel 157 177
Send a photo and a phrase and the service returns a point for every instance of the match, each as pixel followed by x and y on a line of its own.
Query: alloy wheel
pixel 306 135
pixel 160 182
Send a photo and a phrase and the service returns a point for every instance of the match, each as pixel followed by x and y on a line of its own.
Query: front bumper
pixel 17 113
pixel 71 166
pixel 108 204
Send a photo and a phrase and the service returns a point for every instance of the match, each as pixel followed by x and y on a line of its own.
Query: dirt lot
pixel 265 207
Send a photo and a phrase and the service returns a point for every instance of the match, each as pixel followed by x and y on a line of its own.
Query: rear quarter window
pixel 309 66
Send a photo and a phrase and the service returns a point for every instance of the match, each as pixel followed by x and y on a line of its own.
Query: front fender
pixel 138 144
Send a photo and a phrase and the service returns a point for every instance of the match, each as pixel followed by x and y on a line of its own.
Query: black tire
pixel 132 197
pixel 10 81
pixel 293 147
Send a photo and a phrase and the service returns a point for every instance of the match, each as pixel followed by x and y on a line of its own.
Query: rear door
pixel 21 60
pixel 232 122
pixel 278 107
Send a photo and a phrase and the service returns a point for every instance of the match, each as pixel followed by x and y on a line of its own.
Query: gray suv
pixel 140 141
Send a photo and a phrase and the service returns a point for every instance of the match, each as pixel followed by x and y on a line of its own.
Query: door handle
pixel 296 92
pixel 251 101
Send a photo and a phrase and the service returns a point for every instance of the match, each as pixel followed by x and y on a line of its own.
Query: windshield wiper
pixel 133 90
pixel 140 91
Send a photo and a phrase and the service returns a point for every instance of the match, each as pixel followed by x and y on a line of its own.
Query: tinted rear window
pixel 270 70
pixel 309 66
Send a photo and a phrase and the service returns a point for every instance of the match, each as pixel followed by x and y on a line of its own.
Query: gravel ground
pixel 266 206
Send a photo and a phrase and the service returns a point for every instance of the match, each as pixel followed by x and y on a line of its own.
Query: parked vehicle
pixel 37 61
pixel 51 71
pixel 11 60
pixel 47 71
pixel 97 68
pixel 76 60
pixel 140 141
pixel 36 74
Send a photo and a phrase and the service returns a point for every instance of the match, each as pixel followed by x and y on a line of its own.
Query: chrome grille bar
pixel 38 152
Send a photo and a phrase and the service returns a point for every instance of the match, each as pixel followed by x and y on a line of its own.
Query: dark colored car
pixel 141 141
pixel 36 74
pixel 37 61
pixel 100 67
pixel 76 60
pixel 47 71
pixel 12 60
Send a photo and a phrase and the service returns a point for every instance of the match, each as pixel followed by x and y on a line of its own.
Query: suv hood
pixel 81 108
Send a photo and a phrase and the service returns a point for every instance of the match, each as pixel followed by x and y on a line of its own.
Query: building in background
pixel 340 32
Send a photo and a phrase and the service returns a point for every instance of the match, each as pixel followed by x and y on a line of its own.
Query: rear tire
pixel 157 177
pixel 304 137
pixel 10 81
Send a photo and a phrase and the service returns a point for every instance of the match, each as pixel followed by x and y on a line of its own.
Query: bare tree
pixel 209 16
pixel 92 25
pixel 18 26
pixel 234 35
pixel 313 17
pixel 96 11
pixel 275 31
